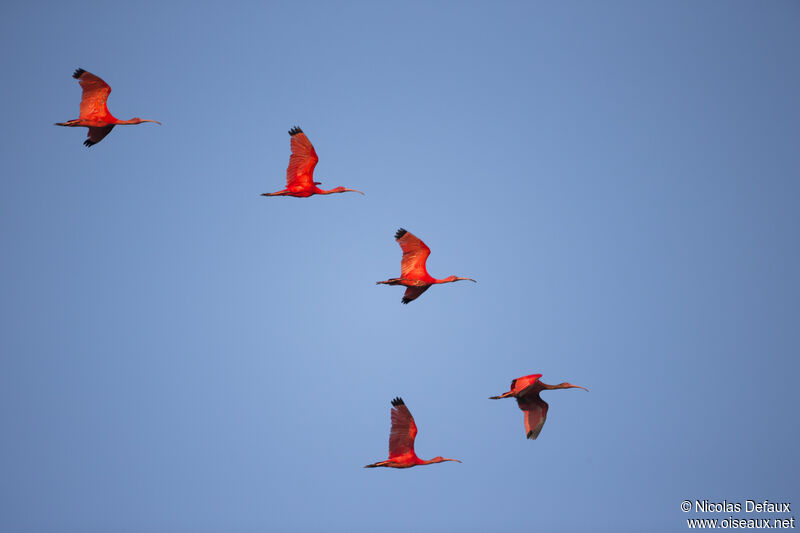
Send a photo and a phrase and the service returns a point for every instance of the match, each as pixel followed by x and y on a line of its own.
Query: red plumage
pixel 413 273
pixel 300 172
pixel 401 440
pixel 94 113
pixel 526 391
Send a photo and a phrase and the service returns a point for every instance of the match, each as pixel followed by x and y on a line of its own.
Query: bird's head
pixel 450 279
pixel 441 459
pixel 138 120
pixel 345 189
pixel 571 386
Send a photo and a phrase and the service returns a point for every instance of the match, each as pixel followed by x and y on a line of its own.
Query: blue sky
pixel 181 354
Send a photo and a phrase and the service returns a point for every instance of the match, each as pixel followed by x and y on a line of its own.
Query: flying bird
pixel 401 440
pixel 413 273
pixel 300 174
pixel 526 390
pixel 94 112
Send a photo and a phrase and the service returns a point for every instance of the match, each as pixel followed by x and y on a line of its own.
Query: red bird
pixel 300 174
pixel 526 390
pixel 94 113
pixel 413 273
pixel 401 440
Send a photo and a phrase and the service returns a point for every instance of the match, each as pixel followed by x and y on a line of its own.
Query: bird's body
pixel 413 273
pixel 526 390
pixel 94 112
pixel 300 173
pixel 401 441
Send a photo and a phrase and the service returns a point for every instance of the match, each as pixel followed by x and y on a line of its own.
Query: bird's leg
pixel 393 281
pixel 69 123
pixel 379 463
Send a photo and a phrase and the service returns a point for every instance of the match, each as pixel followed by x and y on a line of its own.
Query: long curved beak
pixel 579 387
pixel 456 460
pixel 466 279
pixel 353 190
pixel 148 120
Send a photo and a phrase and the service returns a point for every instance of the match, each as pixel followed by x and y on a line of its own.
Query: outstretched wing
pixel 302 161
pixel 535 414
pixel 527 385
pixel 96 135
pixel 95 94
pixel 415 254
pixel 404 430
pixel 412 293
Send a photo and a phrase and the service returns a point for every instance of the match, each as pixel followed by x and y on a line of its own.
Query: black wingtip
pixel 78 73
pixel 530 435
pixel 397 402
pixel 400 233
pixel 405 300
pixel 87 143
pixel 294 131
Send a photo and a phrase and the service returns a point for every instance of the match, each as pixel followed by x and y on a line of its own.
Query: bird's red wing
pixel 302 162
pixel 415 254
pixel 535 414
pixel 96 135
pixel 527 384
pixel 404 430
pixel 95 94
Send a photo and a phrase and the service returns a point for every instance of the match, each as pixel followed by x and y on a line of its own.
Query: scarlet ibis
pixel 526 390
pixel 413 273
pixel 94 112
pixel 401 440
pixel 300 174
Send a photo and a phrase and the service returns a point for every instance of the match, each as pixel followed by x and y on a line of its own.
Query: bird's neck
pixel 335 190
pixel 545 386
pixel 136 121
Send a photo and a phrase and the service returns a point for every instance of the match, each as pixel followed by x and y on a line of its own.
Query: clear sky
pixel 180 354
